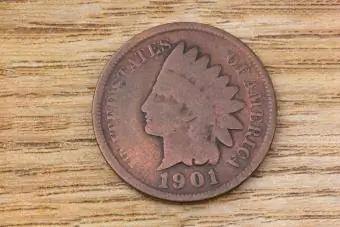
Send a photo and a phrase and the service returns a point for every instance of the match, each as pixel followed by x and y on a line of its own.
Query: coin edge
pixel 128 177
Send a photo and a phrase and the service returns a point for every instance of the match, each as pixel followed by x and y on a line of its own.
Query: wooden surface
pixel 51 170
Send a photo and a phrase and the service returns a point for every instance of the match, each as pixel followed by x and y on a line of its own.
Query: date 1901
pixel 196 179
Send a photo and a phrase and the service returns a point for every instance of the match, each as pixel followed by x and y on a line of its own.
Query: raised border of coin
pixel 123 173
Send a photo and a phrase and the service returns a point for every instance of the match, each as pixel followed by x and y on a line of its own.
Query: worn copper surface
pixel 184 112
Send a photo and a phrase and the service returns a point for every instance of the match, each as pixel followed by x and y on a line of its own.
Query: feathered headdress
pixel 201 88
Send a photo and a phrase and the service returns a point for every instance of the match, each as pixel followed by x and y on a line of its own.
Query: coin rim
pixel 127 176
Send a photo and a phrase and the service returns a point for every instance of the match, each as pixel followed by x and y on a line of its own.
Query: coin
pixel 184 112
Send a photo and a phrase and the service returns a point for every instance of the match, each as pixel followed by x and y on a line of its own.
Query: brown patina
pixel 184 112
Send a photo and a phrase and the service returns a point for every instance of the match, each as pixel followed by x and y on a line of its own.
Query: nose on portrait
pixel 145 105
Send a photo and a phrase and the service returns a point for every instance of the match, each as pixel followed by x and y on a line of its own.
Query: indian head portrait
pixel 191 106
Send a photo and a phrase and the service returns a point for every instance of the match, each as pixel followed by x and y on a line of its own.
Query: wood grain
pixel 52 172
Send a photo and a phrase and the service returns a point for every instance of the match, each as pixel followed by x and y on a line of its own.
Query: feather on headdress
pixel 192 81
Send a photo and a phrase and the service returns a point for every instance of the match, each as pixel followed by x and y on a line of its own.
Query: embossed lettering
pixel 233 161
pixel 254 131
pixel 232 58
pixel 141 56
pixel 133 65
pixel 255 100
pixel 242 69
pixel 151 50
pixel 109 115
pixel 212 175
pixel 121 72
pixel 250 86
pixel 165 45
pixel 164 180
pixel 256 119
pixel 178 180
pixel 197 179
pixel 111 131
pixel 243 153
pixel 248 143
pixel 123 154
pixel 256 116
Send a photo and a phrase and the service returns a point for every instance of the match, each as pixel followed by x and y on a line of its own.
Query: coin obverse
pixel 184 112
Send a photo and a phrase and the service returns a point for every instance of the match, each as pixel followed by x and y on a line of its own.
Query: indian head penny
pixel 184 112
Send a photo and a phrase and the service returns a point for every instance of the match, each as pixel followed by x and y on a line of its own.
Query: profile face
pixel 163 113
pixel 179 109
